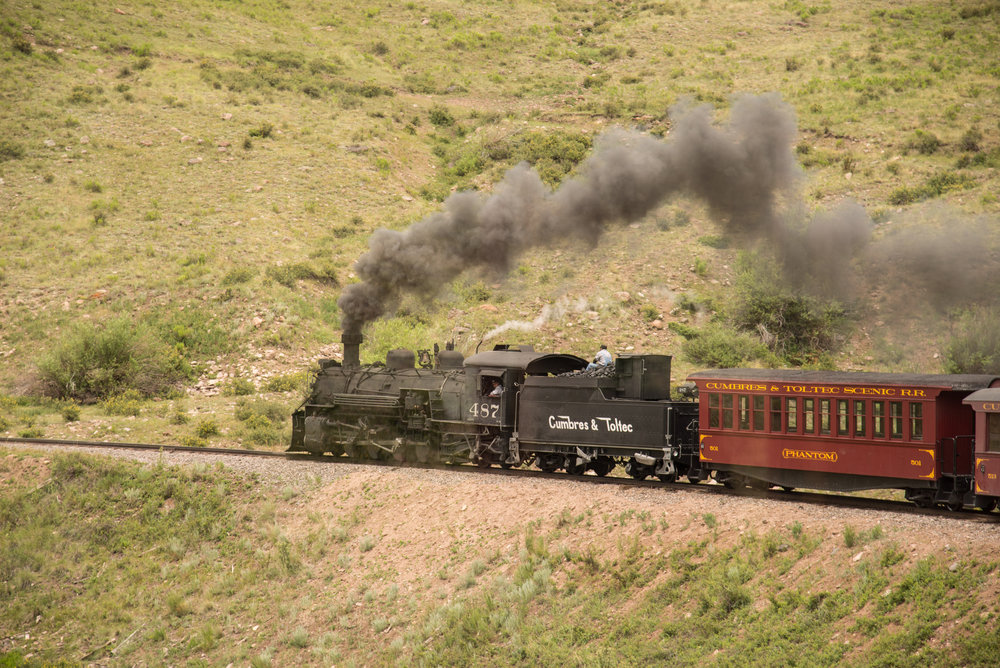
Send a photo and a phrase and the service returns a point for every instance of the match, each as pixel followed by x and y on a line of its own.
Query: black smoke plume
pixel 740 169
pixel 744 170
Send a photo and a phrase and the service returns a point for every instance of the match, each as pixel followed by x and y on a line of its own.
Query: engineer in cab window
pixel 496 391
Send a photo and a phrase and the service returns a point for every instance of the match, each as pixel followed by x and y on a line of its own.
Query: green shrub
pixel 722 347
pixel 10 150
pixel 238 275
pixel 441 117
pixel 99 361
pixel 713 241
pixel 936 186
pixel 975 347
pixel 796 328
pixel 287 383
pixel 924 142
pixel 649 312
pixel 263 130
pixel 238 387
pixel 271 411
pixel 288 274
pixel 71 412
pixel 687 331
pixel 126 403
pixel 4 424
pixel 31 432
pixel 970 140
pixel 259 430
pixel 193 442
pixel 206 427
pixel 194 331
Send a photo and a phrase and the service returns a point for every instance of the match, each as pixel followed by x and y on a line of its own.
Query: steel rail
pixel 806 497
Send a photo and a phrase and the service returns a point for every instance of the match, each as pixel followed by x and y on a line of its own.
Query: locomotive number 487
pixel 484 410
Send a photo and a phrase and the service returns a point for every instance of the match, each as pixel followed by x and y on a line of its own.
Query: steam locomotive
pixel 935 436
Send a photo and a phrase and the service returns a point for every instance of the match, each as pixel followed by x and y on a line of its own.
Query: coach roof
pixel 965 382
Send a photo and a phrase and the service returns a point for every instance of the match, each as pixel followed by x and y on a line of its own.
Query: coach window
pixel 878 419
pixel 744 411
pixel 916 421
pixel 895 419
pixel 824 416
pixel 993 432
pixel 727 411
pixel 776 414
pixel 808 416
pixel 859 418
pixel 843 418
pixel 758 412
pixel 793 414
pixel 713 410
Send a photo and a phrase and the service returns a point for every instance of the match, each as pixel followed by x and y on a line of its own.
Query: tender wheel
pixel 987 505
pixel 667 477
pixel 576 468
pixel 549 463
pixel 637 471
pixel 602 466
pixel 954 504
pixel 787 489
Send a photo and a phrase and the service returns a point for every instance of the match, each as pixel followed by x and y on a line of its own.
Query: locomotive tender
pixel 935 436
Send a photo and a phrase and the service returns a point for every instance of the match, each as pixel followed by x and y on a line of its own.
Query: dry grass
pixel 135 185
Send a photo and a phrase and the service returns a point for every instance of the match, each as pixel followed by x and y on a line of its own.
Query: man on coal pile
pixel 601 359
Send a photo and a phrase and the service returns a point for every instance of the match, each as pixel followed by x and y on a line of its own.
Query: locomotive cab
pixel 494 413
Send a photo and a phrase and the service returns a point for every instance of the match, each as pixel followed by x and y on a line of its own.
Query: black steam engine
pixel 508 406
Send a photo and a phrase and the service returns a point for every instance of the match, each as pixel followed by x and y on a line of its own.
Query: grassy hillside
pixel 209 171
pixel 115 563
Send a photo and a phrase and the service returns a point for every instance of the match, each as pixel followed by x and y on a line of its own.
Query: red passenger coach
pixel 842 430
pixel 986 403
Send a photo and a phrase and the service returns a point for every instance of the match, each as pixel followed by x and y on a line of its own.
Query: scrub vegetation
pixel 103 561
pixel 211 171
pixel 185 188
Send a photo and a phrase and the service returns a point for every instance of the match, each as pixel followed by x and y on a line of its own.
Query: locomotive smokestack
pixel 352 349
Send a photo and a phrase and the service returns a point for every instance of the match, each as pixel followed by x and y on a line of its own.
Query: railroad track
pixel 802 497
